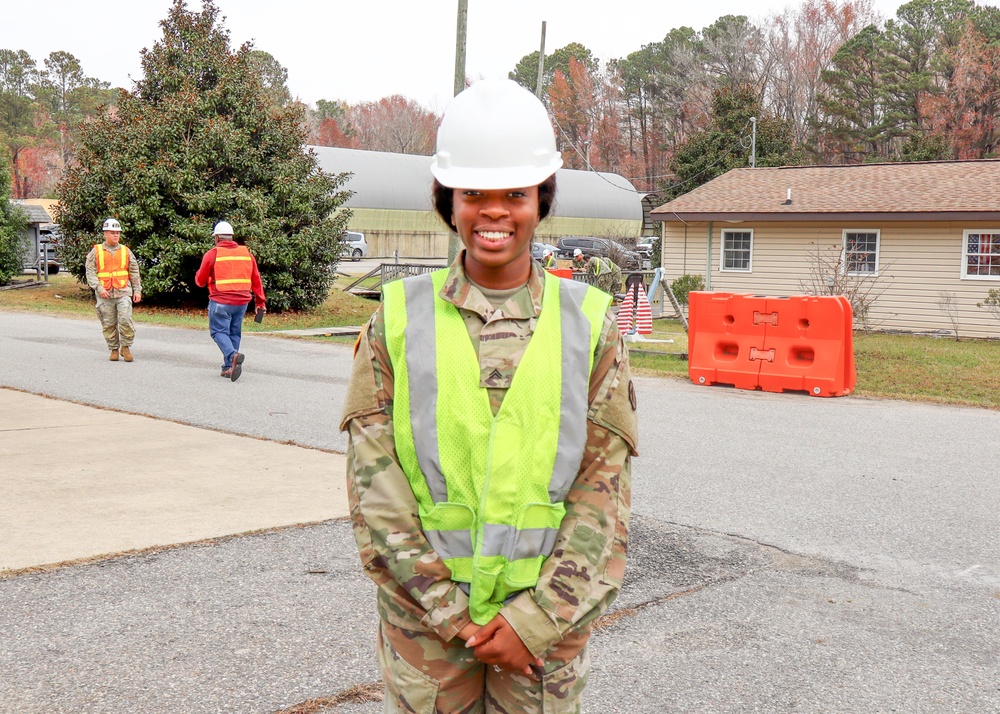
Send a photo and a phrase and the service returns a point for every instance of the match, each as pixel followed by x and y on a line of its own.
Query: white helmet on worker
pixel 577 253
pixel 222 228
pixel 495 134
pixel 112 225
pixel 546 253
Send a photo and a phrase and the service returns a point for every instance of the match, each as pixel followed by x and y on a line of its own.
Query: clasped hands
pixel 498 644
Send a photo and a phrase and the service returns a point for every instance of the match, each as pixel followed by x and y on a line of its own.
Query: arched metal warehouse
pixel 391 204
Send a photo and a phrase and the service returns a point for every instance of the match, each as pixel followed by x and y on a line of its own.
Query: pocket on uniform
pixel 563 688
pixel 407 689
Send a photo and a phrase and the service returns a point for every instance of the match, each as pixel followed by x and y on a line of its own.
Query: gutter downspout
pixel 708 258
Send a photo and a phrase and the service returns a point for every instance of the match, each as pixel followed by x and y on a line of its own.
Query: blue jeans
pixel 225 325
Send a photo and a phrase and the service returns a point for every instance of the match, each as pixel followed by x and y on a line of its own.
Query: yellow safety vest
pixel 490 489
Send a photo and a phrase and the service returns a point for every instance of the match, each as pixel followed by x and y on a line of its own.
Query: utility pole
pixel 463 18
pixel 541 64
pixel 454 244
pixel 753 143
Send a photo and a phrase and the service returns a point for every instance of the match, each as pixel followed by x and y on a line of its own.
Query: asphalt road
pixel 788 553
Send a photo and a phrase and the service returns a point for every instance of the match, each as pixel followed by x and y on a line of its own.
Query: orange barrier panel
pixel 721 335
pixel 806 342
pixel 850 373
pixel 802 343
pixel 561 272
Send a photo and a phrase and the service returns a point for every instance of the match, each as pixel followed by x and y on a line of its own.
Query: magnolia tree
pixel 201 139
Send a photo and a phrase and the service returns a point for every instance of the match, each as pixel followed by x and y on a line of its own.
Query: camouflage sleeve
pixel 393 550
pixel 91 266
pixel 583 575
pixel 133 272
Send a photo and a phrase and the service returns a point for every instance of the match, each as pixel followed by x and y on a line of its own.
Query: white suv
pixel 355 245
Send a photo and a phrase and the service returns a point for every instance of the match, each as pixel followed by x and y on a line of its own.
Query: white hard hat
pixel 222 228
pixel 112 225
pixel 577 252
pixel 495 134
pixel 546 253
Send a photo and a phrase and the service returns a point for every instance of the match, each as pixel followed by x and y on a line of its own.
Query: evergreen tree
pixel 200 140
pixel 859 122
pixel 12 224
pixel 725 143
pixel 525 72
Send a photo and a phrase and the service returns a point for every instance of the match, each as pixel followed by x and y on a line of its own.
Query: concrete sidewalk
pixel 79 482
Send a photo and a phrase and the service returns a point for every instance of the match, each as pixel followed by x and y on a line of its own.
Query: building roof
pixel 938 190
pixel 404 182
pixel 36 214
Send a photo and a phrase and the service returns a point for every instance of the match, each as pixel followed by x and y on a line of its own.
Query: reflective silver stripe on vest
pixel 575 389
pixel 450 544
pixel 499 539
pixel 421 365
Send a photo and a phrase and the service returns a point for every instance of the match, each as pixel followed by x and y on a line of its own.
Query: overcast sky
pixel 361 50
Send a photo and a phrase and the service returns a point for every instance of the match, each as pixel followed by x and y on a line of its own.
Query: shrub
pixel 685 284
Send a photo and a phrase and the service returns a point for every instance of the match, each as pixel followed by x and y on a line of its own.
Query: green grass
pixel 64 296
pixel 929 369
pixel 889 366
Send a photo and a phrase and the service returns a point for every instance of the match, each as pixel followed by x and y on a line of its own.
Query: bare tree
pixel 827 274
pixel 801 41
pixel 948 303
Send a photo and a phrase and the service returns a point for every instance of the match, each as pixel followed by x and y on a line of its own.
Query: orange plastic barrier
pixel 801 343
pixel 561 272
pixel 721 334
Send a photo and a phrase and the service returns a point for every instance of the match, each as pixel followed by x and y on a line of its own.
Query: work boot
pixel 126 354
pixel 114 355
pixel 237 369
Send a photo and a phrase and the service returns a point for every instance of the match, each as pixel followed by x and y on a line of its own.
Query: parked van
pixel 355 245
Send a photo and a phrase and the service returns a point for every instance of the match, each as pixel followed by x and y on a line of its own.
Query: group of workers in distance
pixel 491 420
pixel 228 270
pixel 607 275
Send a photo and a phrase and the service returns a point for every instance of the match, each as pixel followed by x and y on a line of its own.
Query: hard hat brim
pixel 494 178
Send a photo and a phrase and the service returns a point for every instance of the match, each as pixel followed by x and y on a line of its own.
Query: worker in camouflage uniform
pixel 607 275
pixel 549 260
pixel 113 274
pixel 491 511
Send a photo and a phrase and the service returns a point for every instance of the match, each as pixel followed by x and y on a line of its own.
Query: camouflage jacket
pixel 607 275
pixel 584 573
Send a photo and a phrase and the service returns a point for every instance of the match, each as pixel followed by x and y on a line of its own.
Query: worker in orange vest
pixel 113 275
pixel 231 275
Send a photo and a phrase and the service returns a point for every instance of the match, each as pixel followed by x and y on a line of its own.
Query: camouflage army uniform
pixel 427 668
pixel 115 312
pixel 609 275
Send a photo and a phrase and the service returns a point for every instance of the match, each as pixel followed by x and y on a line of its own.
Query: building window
pixel 860 254
pixel 737 250
pixel 981 255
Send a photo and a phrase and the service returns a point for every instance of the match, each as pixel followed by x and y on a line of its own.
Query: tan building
pixel 919 243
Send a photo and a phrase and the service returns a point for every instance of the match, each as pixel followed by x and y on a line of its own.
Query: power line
pixel 741 136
